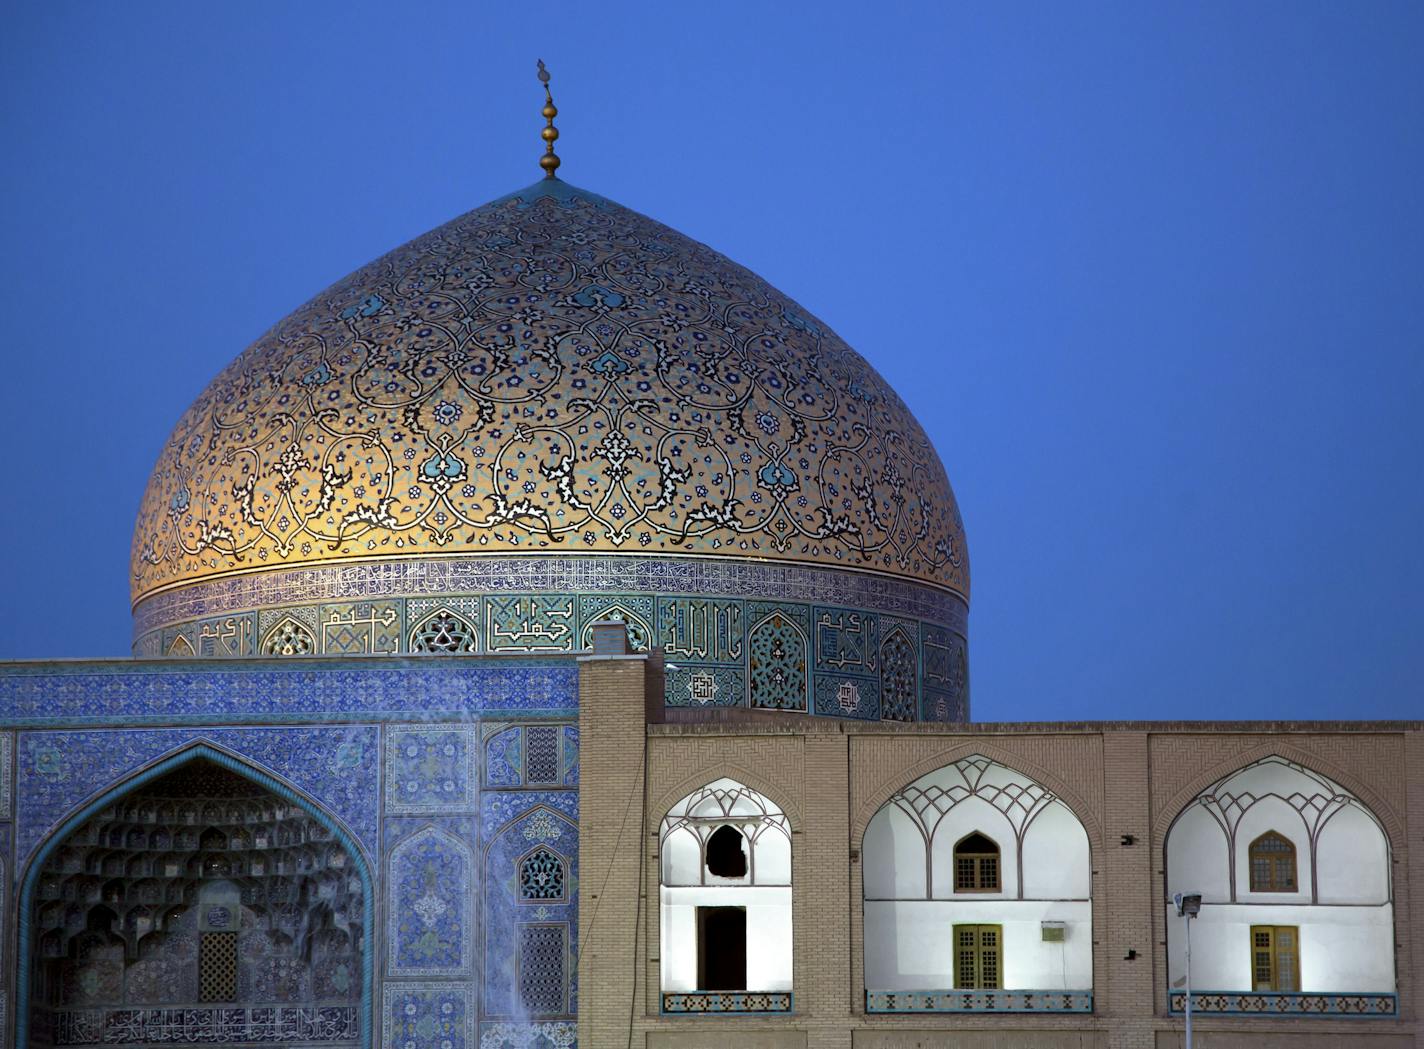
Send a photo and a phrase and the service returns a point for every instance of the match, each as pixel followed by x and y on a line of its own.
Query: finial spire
pixel 550 160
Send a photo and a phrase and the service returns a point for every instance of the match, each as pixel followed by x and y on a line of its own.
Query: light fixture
pixel 1188 907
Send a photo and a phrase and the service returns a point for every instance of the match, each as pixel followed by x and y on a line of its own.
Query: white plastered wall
pixel 909 943
pixel 1342 855
pixel 768 933
pixel 1341 948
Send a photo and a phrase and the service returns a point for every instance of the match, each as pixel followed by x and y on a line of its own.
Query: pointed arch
pixel 289 637
pixel 1174 807
pixel 716 770
pixel 541 940
pixel 875 800
pixel 640 634
pixel 198 750
pixel 723 804
pixel 1302 813
pixel 779 674
pixel 541 876
pixel 443 630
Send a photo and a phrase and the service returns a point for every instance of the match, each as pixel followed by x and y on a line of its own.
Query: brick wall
pixel 831 776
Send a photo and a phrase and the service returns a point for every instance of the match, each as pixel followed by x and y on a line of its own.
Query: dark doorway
pixel 722 948
pixel 726 854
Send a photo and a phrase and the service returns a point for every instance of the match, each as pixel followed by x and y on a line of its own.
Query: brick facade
pixel 831 776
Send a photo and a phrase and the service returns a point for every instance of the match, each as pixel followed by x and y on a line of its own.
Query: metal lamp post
pixel 1188 907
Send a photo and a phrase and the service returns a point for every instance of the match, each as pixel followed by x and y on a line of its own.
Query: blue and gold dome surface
pixel 549 410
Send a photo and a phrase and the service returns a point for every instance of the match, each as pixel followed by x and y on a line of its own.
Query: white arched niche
pixel 1340 906
pixel 1041 902
pixel 725 856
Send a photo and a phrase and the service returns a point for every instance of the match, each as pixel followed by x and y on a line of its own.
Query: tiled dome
pixel 548 373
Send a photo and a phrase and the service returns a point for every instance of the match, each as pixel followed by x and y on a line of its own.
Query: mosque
pixel 553 635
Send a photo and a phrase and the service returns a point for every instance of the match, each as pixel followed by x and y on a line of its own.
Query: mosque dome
pixel 550 379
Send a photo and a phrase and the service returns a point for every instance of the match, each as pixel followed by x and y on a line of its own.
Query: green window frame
pixel 1275 958
pixel 978 957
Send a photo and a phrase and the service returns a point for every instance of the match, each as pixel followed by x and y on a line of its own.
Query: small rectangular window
pixel 978 957
pixel 217 967
pixel 1275 958
pixel 542 954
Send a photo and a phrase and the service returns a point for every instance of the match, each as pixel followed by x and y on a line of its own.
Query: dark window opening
pixel 726 855
pixel 722 948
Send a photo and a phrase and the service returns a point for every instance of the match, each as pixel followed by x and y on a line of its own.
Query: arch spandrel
pixel 892 782
pixel 660 805
pixel 1170 810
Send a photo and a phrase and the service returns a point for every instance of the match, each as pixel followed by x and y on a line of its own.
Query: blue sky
pixel 1150 276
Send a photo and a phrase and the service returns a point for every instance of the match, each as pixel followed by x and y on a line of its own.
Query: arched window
pixel 726 853
pixel 1273 864
pixel 976 864
pixel 541 876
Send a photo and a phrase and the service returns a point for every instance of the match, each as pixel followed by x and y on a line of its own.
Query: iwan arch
pixel 562 639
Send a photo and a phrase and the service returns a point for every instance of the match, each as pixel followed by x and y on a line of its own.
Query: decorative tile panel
pixel 518 825
pixel 431 768
pixel 362 628
pixel 571 755
pixel 228 637
pixel 779 659
pixel 846 641
pixel 701 629
pixel 635 610
pixel 7 760
pixel 553 1034
pixel 843 696
pixel 1261 1003
pixel 702 1003
pixel 704 685
pixel 553 573
pixel 531 623
pixel 899 674
pixel 431 913
pixel 444 627
pixel 429 1016
pixel 132 692
pixel 282 1024
pixel 504 758
pixel 978 1001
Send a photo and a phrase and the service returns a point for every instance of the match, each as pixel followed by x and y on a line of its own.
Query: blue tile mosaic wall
pixel 457 781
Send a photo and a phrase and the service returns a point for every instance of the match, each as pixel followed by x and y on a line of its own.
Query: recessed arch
pixel 942 860
pixel 543 933
pixel 1281 853
pixel 197 751
pixel 725 892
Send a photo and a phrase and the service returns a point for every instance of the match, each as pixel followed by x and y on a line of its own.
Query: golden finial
pixel 549 161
